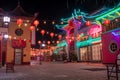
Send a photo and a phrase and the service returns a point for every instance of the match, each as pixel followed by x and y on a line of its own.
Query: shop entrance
pixel 85 54
pixel 18 56
pixel 96 52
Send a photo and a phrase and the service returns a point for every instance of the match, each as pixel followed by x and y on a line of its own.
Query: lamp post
pixel 6 21
pixel 4 39
pixel 39 42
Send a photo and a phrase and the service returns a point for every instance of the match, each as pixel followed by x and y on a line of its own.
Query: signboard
pixel 110 46
pixel 18 43
pixel 33 39
pixel 113 46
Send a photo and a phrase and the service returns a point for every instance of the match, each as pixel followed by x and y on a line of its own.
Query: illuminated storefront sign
pixel 18 43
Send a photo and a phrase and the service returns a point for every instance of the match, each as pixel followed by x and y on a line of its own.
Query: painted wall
pixel 26 35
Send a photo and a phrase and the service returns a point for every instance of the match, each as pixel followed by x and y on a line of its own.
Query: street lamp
pixel 40 62
pixel 6 20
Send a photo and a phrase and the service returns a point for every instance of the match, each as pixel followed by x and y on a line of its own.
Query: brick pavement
pixel 56 71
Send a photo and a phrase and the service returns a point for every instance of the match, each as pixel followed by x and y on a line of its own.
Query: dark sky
pixel 54 10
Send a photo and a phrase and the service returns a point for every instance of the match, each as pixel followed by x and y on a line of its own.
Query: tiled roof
pixel 19 11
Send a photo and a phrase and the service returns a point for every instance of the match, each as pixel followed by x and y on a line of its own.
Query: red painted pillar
pixel 0 54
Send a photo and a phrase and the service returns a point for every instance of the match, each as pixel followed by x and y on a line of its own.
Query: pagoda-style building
pixel 15 36
pixel 84 31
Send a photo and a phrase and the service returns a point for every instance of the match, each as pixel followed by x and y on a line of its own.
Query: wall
pixel 26 35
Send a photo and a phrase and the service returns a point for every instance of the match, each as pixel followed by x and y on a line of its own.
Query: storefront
pixel 90 50
pixel 87 31
pixel 16 39
pixel 84 53
pixel 96 52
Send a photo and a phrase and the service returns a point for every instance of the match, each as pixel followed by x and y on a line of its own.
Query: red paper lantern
pixel 36 22
pixel 42 32
pixel 88 23
pixel 107 22
pixel 48 42
pixel 51 34
pixel 39 42
pixel 31 28
pixel 19 22
pixel 59 36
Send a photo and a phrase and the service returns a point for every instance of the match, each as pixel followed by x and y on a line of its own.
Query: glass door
pixel 96 52
pixel 83 54
pixel 18 56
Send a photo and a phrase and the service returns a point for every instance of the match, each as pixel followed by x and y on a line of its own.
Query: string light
pixel 44 22
pixel 53 22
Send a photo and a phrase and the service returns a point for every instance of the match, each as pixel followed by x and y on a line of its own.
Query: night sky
pixel 54 10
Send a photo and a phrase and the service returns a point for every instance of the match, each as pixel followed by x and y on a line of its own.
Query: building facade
pixel 15 36
pixel 84 31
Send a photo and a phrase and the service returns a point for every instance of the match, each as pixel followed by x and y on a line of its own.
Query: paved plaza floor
pixel 56 71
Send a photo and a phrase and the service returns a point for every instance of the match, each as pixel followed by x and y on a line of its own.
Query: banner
pixel 18 43
pixel 33 39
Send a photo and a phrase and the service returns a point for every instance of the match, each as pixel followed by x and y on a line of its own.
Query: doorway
pixel 18 56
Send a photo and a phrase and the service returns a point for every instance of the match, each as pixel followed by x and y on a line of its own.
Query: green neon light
pixel 118 13
pixel 111 12
pixel 111 16
pixel 103 18
pixel 98 22
pixel 96 39
pixel 60 45
pixel 106 14
pixel 83 43
pixel 63 43
pixel 87 42
pixel 57 50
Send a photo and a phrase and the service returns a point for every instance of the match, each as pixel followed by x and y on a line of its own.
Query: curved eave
pixel 104 13
pixel 111 14
pixel 19 11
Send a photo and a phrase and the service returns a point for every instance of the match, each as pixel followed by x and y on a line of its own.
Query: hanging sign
pixel 18 43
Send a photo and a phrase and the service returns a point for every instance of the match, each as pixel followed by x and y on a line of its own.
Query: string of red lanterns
pixel 32 27
pixel 36 23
